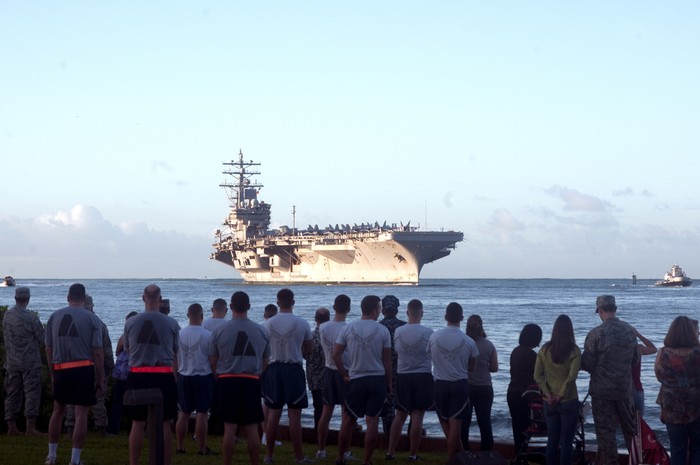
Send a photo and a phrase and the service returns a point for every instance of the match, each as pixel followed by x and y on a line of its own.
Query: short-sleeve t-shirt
pixel 241 346
pixel 193 351
pixel 72 333
pixel 411 344
pixel 329 334
pixel 450 350
pixel 364 341
pixel 287 333
pixel 152 339
pixel 481 375
pixel 211 323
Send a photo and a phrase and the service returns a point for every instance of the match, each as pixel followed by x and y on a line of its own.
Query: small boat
pixel 675 278
pixel 8 281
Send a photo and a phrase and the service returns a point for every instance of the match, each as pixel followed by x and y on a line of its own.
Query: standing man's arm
pixel 213 360
pixel 307 347
pixel 589 356
pixel 338 350
pixel 388 371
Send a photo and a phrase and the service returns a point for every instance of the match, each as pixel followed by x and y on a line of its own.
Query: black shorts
pixel 452 399
pixel 414 391
pixel 194 393
pixel 163 381
pixel 366 396
pixel 75 386
pixel 239 400
pixel 334 387
pixel 285 383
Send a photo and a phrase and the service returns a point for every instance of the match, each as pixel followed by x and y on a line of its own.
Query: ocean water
pixel 505 306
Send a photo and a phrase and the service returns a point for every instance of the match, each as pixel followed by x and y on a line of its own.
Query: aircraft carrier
pixel 365 253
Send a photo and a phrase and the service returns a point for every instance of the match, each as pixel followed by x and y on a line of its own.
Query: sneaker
pixel 50 461
pixel 414 458
pixel 321 454
pixel 207 451
pixel 305 461
pixel 267 460
pixel 348 457
pixel 388 457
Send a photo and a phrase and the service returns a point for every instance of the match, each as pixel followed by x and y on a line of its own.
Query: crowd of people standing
pixel 385 371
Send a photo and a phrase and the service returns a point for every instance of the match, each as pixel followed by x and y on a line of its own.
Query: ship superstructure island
pixel 366 253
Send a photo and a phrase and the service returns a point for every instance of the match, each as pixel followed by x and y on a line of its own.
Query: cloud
pixel 576 201
pixel 628 192
pixel 159 165
pixel 81 243
pixel 447 199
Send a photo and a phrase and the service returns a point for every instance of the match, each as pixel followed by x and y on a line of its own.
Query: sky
pixel 560 138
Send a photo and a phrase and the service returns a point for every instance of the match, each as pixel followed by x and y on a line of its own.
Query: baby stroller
pixel 535 444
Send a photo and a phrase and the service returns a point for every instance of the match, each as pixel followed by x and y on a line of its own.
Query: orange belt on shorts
pixel 151 369
pixel 77 364
pixel 239 375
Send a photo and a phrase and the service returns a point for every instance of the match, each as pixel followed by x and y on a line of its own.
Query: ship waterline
pixel 365 254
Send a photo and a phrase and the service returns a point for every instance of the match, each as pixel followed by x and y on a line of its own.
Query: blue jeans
pixel 685 439
pixel 561 426
pixel 480 400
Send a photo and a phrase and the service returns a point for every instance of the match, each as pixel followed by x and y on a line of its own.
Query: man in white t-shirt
pixel 284 381
pixel 454 355
pixel 333 386
pixel 367 374
pixel 195 382
pixel 414 384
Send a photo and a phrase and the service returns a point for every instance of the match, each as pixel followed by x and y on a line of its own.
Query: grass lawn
pixel 31 450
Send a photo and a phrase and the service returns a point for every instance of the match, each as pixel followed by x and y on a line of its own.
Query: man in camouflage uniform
pixel 24 336
pixel 100 419
pixel 609 353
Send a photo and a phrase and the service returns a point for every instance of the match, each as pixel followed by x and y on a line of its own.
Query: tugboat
pixel 8 281
pixel 366 253
pixel 675 278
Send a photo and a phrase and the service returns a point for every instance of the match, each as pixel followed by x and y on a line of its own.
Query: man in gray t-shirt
pixel 152 339
pixel 76 361
pixel 238 353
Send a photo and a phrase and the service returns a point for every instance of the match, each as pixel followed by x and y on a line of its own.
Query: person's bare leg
pixel 396 428
pixel 454 440
pixel 323 423
pixel 229 442
pixel 253 443
pixel 371 436
pixel 294 415
pixel 80 427
pixel 347 426
pixel 136 441
pixel 183 419
pixel 201 430
pixel 416 433
pixel 271 429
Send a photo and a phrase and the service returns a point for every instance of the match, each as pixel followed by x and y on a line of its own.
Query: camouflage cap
pixel 606 303
pixel 22 293
pixel 390 302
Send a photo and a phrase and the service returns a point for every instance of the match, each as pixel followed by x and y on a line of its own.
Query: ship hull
pixel 365 258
